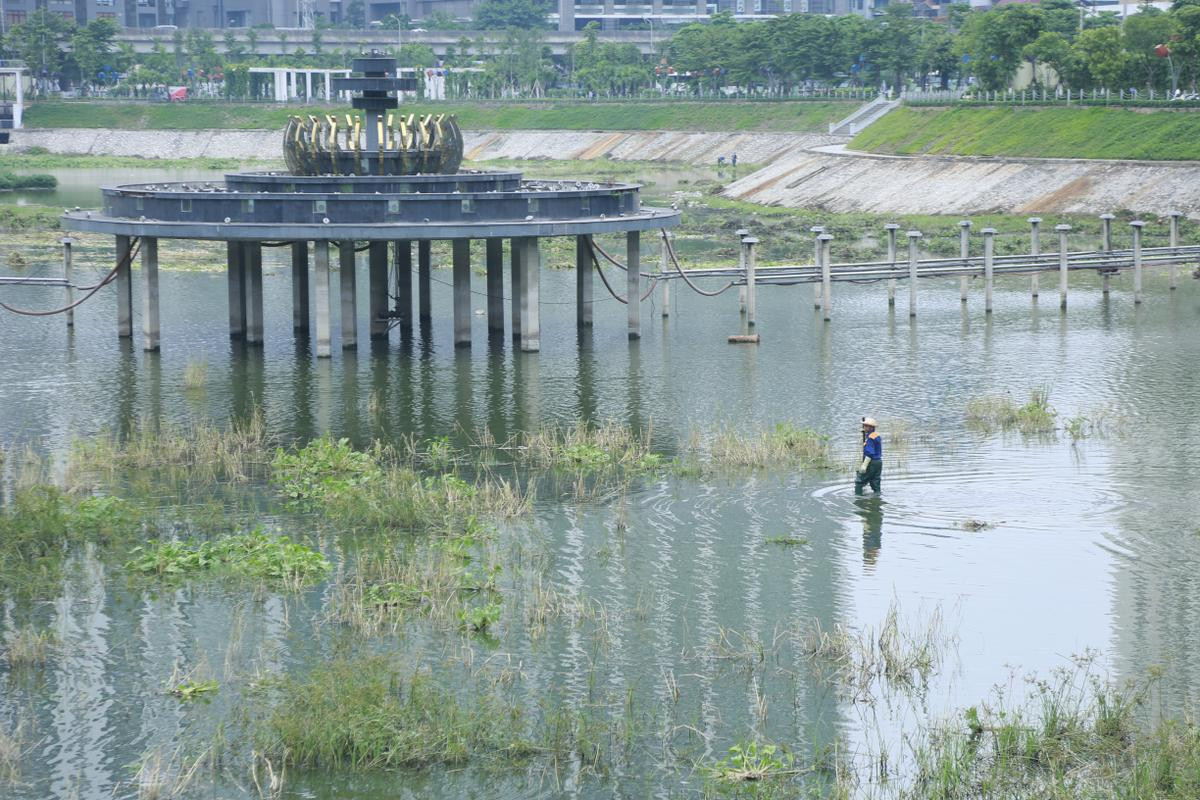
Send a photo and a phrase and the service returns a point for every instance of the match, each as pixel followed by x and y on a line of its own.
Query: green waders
pixel 871 475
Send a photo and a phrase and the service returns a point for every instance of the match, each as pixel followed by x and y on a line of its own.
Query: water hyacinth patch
pixel 252 555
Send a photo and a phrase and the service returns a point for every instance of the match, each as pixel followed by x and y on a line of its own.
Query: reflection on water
pixel 81 187
pixel 1088 544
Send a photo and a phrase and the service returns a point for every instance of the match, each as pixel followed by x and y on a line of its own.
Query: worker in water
pixel 871 468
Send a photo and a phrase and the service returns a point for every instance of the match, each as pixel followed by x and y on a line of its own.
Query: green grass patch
pixel 38 158
pixel 10 182
pixel 1037 132
pixel 29 218
pixel 992 413
pixel 785 445
pixel 252 555
pixel 807 115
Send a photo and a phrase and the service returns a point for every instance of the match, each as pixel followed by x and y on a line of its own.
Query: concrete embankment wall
pixel 687 147
pixel 841 181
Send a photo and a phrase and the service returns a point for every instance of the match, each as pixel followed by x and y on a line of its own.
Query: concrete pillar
pixel 378 288
pixel 1106 246
pixel 515 255
pixel 150 321
pixel 237 277
pixel 914 238
pixel 1063 230
pixel 66 243
pixel 633 282
pixel 663 259
pixel 989 266
pixel 1137 226
pixel 300 286
pixel 402 256
pixel 583 281
pixel 816 231
pixel 424 279
pixel 252 262
pixel 891 228
pixel 531 270
pixel 124 282
pixel 1173 283
pixel 495 285
pixel 748 245
pixel 566 16
pixel 964 252
pixel 347 283
pixel 1035 250
pixel 823 264
pixel 461 249
pixel 323 303
pixel 741 233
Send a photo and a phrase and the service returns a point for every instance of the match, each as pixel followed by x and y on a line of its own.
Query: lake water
pixel 1094 544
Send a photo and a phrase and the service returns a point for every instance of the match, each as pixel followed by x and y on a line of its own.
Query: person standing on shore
pixel 870 471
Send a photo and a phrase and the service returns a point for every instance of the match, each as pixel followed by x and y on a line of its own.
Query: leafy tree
pixel 356 14
pixel 503 14
pixel 40 41
pixel 1142 33
pixel 1053 50
pixel 995 42
pixel 937 54
pixel 92 48
pixel 1101 56
pixel 1061 16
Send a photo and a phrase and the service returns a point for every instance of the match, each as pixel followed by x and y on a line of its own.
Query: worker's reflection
pixel 871 511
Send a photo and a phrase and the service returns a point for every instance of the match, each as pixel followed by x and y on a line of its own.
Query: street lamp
pixel 648 19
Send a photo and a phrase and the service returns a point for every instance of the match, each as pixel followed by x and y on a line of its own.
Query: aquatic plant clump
pixel 588 449
pixel 367 713
pixel 785 445
pixel 992 413
pixel 254 555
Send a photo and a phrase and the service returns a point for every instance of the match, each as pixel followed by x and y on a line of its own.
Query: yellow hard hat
pixel 869 421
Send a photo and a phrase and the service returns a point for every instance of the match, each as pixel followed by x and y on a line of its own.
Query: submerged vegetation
pixel 255 555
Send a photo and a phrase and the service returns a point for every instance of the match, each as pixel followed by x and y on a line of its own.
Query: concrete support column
pixel 989 266
pixel 237 296
pixel 462 292
pixel 347 282
pixel 424 279
pixel 741 233
pixel 633 282
pixel 1137 226
pixel 1035 250
pixel 964 252
pixel 300 319
pixel 324 303
pixel 378 289
pixel 663 259
pixel 150 321
pixel 515 255
pixel 124 282
pixel 914 239
pixel 748 246
pixel 826 241
pixel 531 271
pixel 402 255
pixel 891 228
pixel 1173 282
pixel 1106 246
pixel 816 231
pixel 66 243
pixel 1063 230
pixel 566 16
pixel 495 285
pixel 583 280
pixel 252 261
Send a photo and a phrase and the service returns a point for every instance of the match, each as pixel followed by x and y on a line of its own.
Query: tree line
pixel 1152 49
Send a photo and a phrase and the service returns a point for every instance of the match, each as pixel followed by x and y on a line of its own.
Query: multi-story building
pixel 575 14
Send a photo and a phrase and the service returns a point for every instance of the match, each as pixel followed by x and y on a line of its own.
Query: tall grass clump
pixel 195 375
pixel 367 713
pixel 785 445
pixel 588 449
pixel 11 746
pixel 27 647
pixel 992 413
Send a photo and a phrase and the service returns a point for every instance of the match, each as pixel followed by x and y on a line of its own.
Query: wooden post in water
pixel 826 276
pixel 67 241
pixel 913 240
pixel 989 264
pixel 1063 230
pixel 816 231
pixel 748 244
pixel 323 297
pixel 1137 226
pixel 663 256
pixel 1035 250
pixel 964 252
pixel 741 233
pixel 1174 242
pixel 1106 246
pixel 891 228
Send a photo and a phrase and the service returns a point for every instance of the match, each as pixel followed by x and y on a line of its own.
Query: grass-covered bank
pixel 1036 132
pixel 806 115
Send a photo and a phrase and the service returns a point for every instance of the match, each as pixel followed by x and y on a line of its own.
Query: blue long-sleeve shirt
pixel 873 446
